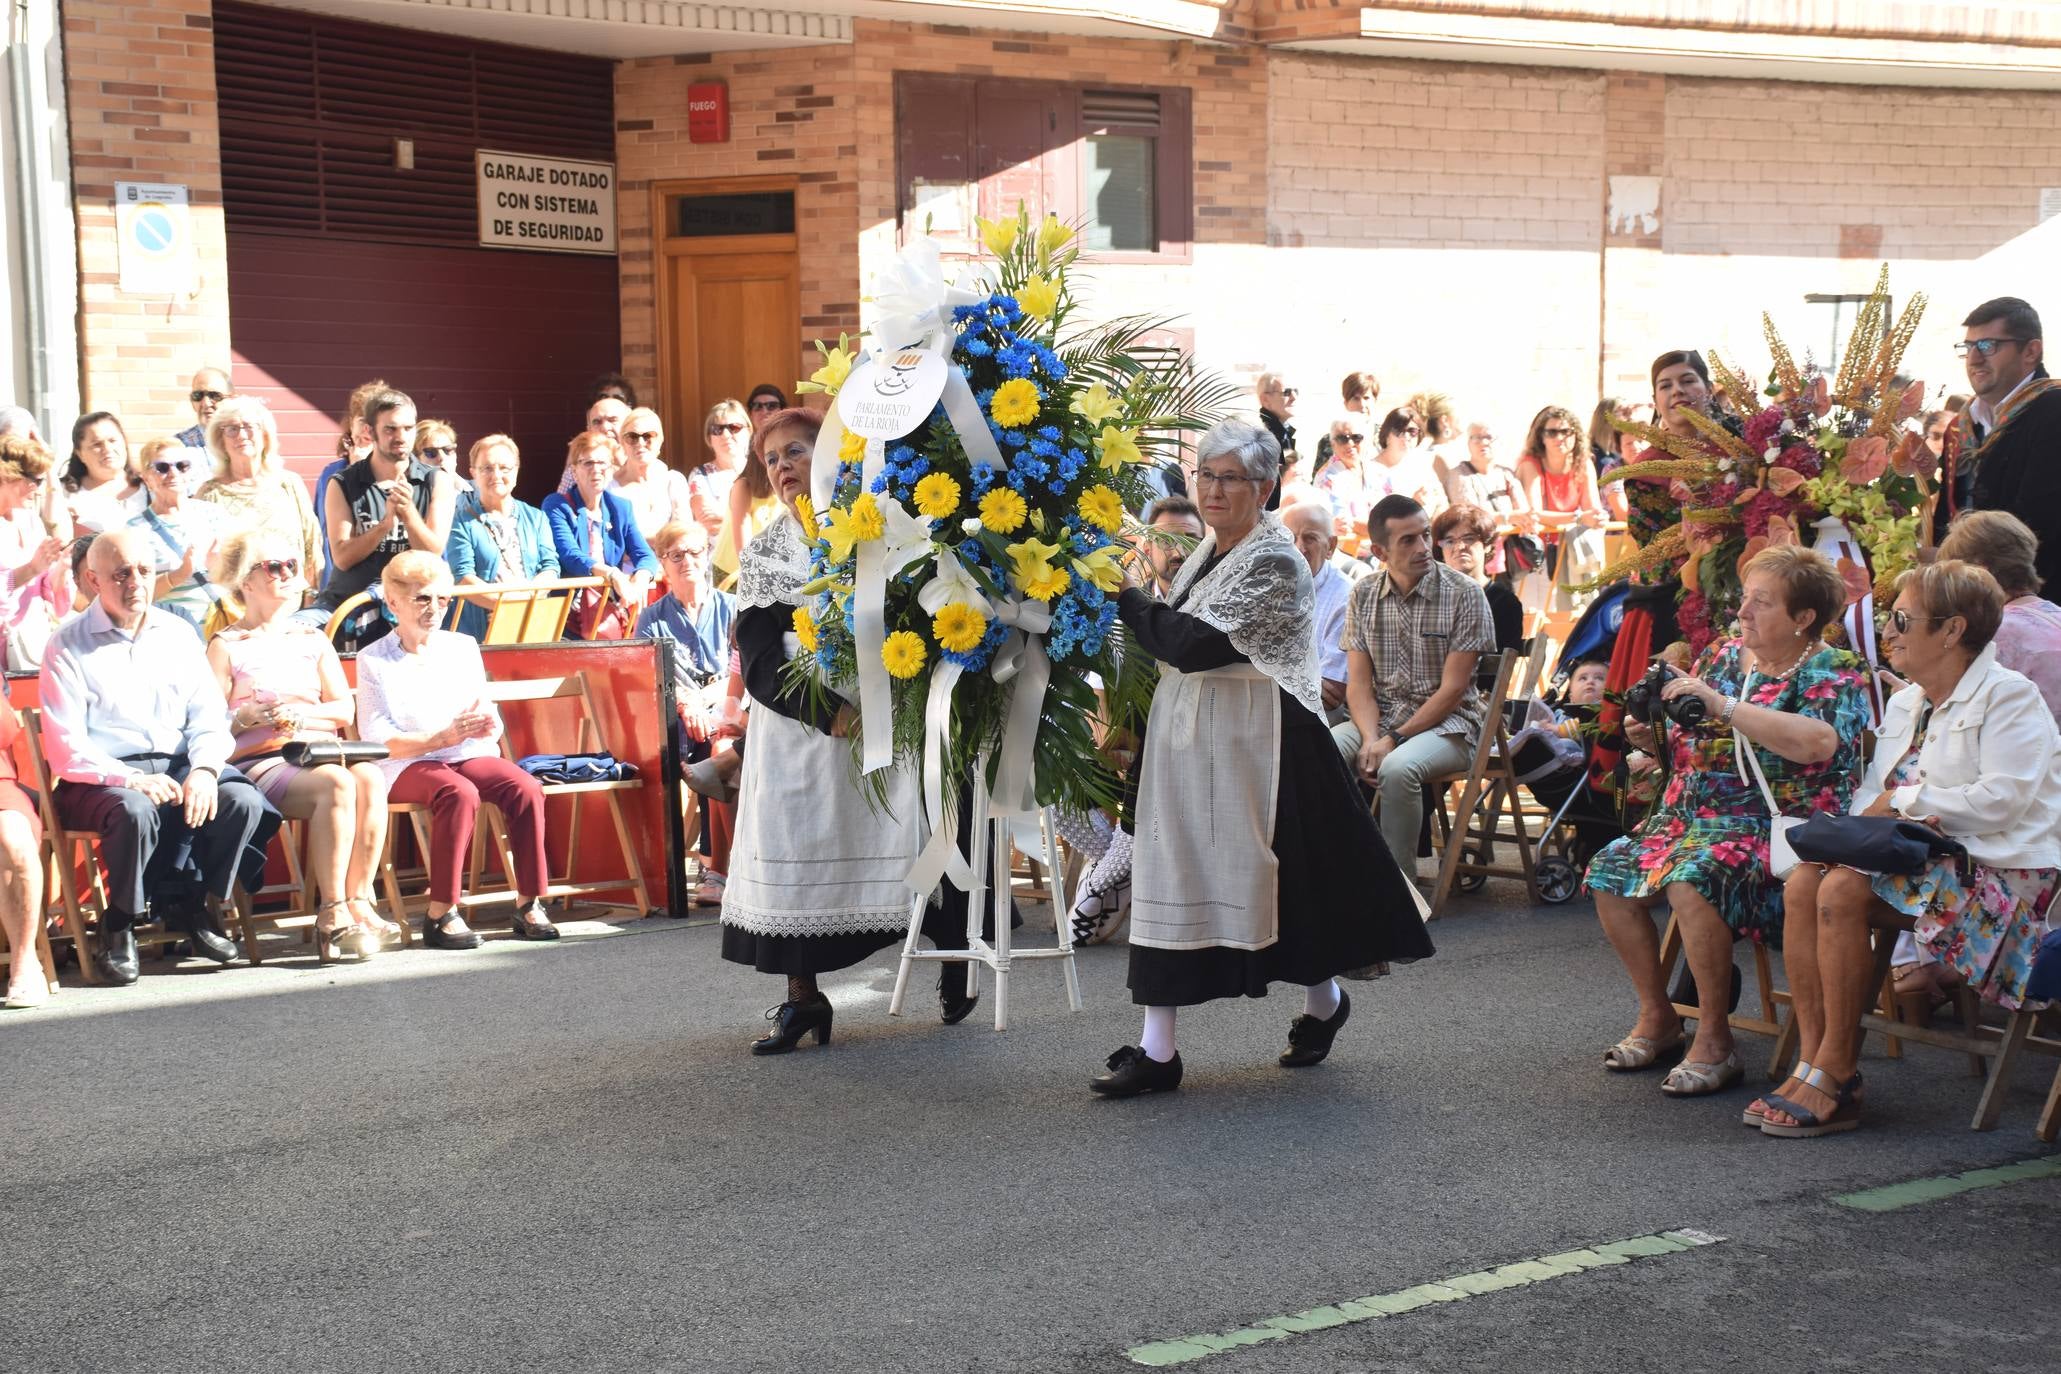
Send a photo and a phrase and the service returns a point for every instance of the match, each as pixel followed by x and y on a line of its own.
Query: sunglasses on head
pixel 166 467
pixel 278 567
pixel 198 396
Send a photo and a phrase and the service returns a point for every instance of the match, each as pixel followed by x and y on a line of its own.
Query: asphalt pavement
pixel 561 1157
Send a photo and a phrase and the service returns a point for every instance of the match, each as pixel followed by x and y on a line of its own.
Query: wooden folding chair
pixel 44 954
pixel 298 915
pixel 574 687
pixel 72 852
pixel 532 612
pixel 1489 787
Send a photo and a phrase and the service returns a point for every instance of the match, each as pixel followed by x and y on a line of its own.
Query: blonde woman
pixel 436 445
pixel 182 533
pixel 657 494
pixel 283 682
pixel 727 436
pixel 748 509
pixel 251 482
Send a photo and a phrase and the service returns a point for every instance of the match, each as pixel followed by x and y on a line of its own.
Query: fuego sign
pixel 545 204
pixel 708 112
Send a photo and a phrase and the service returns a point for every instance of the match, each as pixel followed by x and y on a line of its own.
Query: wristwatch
pixel 1393 736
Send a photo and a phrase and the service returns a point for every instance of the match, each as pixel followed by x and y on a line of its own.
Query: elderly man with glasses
pixel 211 387
pixel 1277 406
pixel 2004 451
pixel 138 738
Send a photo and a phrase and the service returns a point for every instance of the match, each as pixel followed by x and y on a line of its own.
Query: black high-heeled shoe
pixel 953 1004
pixel 791 1021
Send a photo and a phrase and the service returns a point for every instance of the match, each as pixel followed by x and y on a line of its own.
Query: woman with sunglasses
pixel 252 484
pixel 726 439
pixel 1970 749
pixel 1402 467
pixel 1350 483
pixel 422 692
pixel 1560 482
pixel 182 533
pixel 749 508
pixel 283 682
pixel 656 493
pixel 436 445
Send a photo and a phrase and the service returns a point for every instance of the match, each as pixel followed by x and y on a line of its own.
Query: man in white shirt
pixel 138 740
pixel 1309 520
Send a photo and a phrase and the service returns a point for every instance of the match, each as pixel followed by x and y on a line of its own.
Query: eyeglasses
pixel 135 572
pixel 1227 481
pixel 595 464
pixel 680 556
pixel 1900 621
pixel 166 469
pixel 1481 438
pixel 641 436
pixel 1348 440
pixel 1415 430
pixel 278 567
pixel 1983 348
pixel 765 403
pixel 1557 432
pixel 733 429
pixel 243 429
pixel 198 396
pixel 427 600
pixel 1289 393
pixel 436 452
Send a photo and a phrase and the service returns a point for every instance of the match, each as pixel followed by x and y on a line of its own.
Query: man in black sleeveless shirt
pixel 382 505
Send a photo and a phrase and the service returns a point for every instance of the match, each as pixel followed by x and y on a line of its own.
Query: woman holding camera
pixel 1801 706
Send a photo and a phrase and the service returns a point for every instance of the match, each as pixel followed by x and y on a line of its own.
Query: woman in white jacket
pixel 1970 749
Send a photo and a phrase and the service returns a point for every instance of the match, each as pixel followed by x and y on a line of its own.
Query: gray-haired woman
pixel 1257 861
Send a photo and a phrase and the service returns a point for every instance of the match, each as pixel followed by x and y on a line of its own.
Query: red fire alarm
pixel 708 112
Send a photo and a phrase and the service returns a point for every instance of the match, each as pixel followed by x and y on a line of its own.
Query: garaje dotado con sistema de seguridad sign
pixel 545 204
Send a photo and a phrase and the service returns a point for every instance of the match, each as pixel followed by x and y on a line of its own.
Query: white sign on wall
pixel 154 238
pixel 545 204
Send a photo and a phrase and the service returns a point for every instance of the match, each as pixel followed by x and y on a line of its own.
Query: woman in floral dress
pixel 1970 749
pixel 1704 849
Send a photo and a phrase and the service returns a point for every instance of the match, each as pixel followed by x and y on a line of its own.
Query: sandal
pixel 1756 1108
pixel 367 913
pixel 709 891
pixel 342 939
pixel 1844 1116
pixel 1636 1052
pixel 1691 1079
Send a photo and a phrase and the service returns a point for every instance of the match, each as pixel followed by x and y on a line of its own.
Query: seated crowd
pixel 1428 554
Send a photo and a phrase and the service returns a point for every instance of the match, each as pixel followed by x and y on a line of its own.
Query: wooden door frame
pixel 665 249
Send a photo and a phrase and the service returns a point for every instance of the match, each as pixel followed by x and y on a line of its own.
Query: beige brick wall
pixel 791 114
pixel 1438 225
pixel 140 90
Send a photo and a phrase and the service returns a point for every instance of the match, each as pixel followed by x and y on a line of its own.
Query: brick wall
pixel 791 113
pixel 140 86
pixel 1438 225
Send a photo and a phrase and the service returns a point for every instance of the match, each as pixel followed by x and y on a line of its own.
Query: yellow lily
pixel 837 365
pixel 999 234
pixel 1039 297
pixel 1100 567
pixel 1119 447
pixel 1052 236
pixel 1096 405
pixel 1030 559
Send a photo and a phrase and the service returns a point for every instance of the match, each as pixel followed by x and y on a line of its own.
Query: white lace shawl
pixel 1261 596
pixel 774 566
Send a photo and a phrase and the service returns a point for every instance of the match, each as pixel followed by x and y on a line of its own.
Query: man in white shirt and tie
pixel 138 740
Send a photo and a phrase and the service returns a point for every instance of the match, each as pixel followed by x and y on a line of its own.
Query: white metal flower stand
pixel 991 891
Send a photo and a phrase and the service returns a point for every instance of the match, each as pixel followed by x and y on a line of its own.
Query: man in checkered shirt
pixel 1414 631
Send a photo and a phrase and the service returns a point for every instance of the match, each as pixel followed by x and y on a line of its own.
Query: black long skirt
pixel 1343 902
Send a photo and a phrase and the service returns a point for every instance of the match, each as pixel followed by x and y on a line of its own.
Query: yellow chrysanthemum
pixel 867 521
pixel 958 626
pixel 1101 507
pixel 1015 403
pixel 851 448
pixel 1096 405
pixel 1118 447
pixel 1039 297
pixel 1101 567
pixel 937 496
pixel 805 629
pixel 999 234
pixel 904 654
pixel 805 511
pixel 1052 236
pixel 1003 511
pixel 837 365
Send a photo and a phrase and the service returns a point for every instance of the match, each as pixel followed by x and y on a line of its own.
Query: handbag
pixel 1873 844
pixel 1782 858
pixel 314 753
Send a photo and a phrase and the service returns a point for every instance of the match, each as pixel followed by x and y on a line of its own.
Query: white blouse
pixel 659 498
pixel 400 693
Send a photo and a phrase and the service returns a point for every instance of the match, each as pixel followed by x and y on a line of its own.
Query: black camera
pixel 1643 702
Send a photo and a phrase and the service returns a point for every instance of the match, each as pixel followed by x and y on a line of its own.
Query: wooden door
pixel 732 320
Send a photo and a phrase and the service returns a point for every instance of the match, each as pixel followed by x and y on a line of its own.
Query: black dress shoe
pixel 449 931
pixel 1309 1040
pixel 114 957
pixel 532 924
pixel 953 1004
pixel 1132 1071
pixel 203 930
pixel 791 1021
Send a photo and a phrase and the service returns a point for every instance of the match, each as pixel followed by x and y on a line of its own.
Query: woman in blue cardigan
pixel 500 539
pixel 595 531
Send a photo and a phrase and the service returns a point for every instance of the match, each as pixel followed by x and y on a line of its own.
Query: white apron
pixel 1206 875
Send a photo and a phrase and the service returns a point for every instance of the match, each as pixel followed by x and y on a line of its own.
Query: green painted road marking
pixel 1458 1288
pixel 1896 1195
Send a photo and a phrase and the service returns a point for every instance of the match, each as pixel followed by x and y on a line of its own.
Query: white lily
pixel 914 298
pixel 953 584
pixel 906 538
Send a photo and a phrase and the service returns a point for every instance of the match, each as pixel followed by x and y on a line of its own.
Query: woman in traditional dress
pixel 1257 861
pixel 817 866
